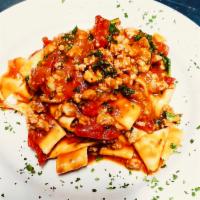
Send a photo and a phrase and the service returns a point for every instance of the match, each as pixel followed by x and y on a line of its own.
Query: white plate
pixel 21 30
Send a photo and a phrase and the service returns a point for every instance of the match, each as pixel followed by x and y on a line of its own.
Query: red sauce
pixel 147 124
pixel 169 80
pixel 101 31
pixel 90 108
pixel 46 41
pixel 96 131
pixel 13 69
pixel 38 77
pixel 33 137
pixel 162 48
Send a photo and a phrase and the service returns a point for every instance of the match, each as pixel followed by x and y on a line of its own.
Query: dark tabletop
pixel 190 8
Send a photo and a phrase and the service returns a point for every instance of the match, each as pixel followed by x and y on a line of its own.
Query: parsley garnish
pixel 152 46
pixel 167 63
pixel 74 31
pixel 30 168
pixel 113 29
pixel 126 91
pixel 126 15
pixel 105 68
pixel 173 146
pixel 97 53
pixel 77 179
pixel 169 116
pixel 99 158
pixel 198 127
pixel 191 141
pixel 111 188
pixel 138 37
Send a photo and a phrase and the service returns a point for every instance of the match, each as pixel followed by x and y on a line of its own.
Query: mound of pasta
pixel 99 92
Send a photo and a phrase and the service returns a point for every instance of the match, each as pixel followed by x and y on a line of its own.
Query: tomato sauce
pixel 33 138
pixel 101 31
pixel 96 131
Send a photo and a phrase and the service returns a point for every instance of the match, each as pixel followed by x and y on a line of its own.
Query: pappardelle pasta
pixel 98 92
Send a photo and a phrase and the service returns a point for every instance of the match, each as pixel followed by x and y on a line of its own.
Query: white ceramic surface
pixel 21 30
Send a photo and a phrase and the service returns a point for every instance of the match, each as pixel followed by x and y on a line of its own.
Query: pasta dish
pixel 99 92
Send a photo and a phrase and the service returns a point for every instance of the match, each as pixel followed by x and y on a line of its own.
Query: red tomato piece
pixel 148 127
pixel 46 41
pixel 101 31
pixel 33 137
pixel 96 131
pixel 110 133
pixel 169 80
pixel 38 77
pixel 91 108
pixel 162 48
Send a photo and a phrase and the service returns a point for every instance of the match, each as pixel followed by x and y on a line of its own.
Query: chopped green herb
pixel 111 188
pixel 18 123
pixel 74 30
pixel 191 141
pixel 155 198
pixel 92 170
pixel 160 188
pixel 118 5
pixel 126 15
pixel 105 68
pixel 68 36
pixel 30 168
pixel 167 63
pixel 193 194
pixel 99 158
pixel 163 166
pixel 153 16
pixel 198 127
pixel 77 179
pixel 126 91
pixel 138 37
pixel 9 127
pixel 197 189
pixel 169 116
pixel 40 173
pixel 96 179
pixel 173 146
pixel 174 177
pixel 152 46
pixel 125 185
pixel 97 53
pixel 113 29
pixel 69 46
pixel 62 1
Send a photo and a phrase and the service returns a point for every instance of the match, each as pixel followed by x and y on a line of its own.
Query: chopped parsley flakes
pixel 30 168
pixel 198 127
